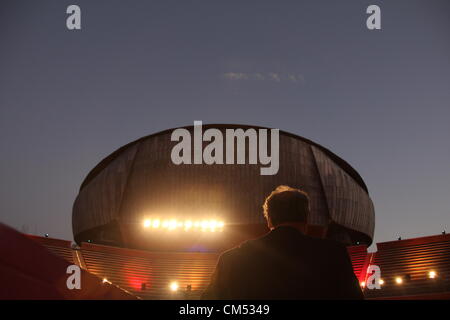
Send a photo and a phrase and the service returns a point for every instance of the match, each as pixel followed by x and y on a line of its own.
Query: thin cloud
pixel 235 76
pixel 270 76
pixel 275 77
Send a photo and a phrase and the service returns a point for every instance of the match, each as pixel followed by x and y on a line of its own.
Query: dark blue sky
pixel 379 99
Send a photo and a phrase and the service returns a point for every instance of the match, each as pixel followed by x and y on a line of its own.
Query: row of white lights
pixel 187 225
pixel 399 280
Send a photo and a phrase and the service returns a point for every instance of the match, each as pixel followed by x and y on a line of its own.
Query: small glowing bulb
pixel 381 282
pixel 173 286
pixel 105 280
pixel 205 224
pixel 147 223
pixel 363 284
pixel 172 224
pixel 432 274
pixel 188 225
pixel 398 280
pixel 156 223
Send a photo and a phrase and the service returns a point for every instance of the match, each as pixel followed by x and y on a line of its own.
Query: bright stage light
pixel 173 286
pixel 156 223
pixel 147 223
pixel 399 280
pixel 172 224
pixel 186 225
pixel 432 274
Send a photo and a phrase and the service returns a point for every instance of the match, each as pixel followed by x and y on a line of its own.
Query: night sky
pixel 378 99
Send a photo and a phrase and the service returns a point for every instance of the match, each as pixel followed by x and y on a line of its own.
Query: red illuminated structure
pixel 416 268
pixel 30 271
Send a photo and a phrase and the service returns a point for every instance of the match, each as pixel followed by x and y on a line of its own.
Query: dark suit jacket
pixel 285 264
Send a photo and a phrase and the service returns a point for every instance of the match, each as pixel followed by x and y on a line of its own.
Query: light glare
pixel 173 286
pixel 172 224
pixel 187 225
pixel 147 223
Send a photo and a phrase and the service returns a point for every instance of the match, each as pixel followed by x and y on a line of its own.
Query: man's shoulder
pixel 331 251
pixel 328 245
pixel 243 249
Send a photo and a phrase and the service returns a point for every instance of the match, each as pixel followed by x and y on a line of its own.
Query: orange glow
pixel 133 279
pixel 381 282
pixel 362 284
pixel 399 280
pixel 432 274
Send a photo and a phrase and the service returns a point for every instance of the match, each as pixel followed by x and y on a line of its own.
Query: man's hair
pixel 286 204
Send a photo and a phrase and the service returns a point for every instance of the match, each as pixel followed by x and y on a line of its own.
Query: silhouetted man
pixel 285 263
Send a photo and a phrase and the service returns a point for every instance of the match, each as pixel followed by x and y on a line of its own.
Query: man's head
pixel 286 205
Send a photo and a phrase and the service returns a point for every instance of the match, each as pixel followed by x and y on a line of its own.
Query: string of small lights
pixel 186 225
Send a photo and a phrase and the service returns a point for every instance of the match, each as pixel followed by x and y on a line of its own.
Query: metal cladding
pixel 140 180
